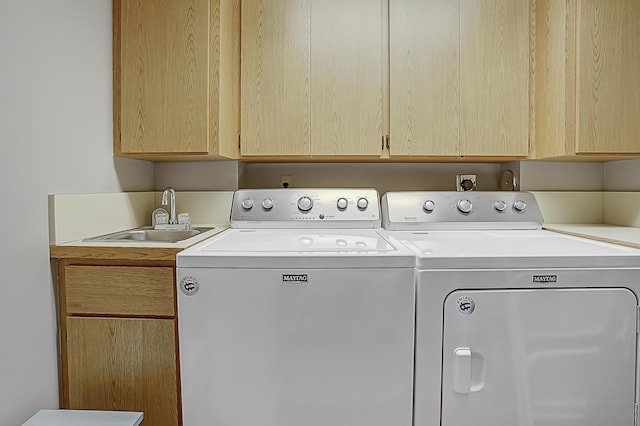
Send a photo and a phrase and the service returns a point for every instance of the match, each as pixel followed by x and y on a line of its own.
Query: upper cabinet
pixel 459 77
pixel 312 78
pixel 176 79
pixel 587 78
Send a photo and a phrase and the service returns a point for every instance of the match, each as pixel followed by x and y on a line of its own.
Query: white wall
pixel 55 137
pixel 622 175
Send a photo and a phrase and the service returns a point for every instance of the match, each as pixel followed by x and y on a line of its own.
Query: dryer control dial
pixel 429 206
pixel 247 204
pixel 500 205
pixel 305 203
pixel 519 205
pixel 267 204
pixel 342 203
pixel 464 205
pixel 362 203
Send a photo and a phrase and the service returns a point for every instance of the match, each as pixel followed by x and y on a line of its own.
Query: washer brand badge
pixel 295 278
pixel 545 278
pixel 465 305
pixel 189 286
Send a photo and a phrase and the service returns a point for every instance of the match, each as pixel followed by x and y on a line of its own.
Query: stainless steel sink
pixel 148 234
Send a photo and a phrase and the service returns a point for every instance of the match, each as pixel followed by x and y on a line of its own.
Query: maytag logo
pixel 295 278
pixel 545 278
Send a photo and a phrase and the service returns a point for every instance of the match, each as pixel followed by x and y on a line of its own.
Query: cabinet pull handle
pixel 388 142
pixel 382 143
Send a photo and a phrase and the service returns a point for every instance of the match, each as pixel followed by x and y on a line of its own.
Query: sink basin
pixel 148 234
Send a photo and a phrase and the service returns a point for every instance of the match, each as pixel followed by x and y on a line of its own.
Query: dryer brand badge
pixel 189 285
pixel 295 278
pixel 465 305
pixel 545 278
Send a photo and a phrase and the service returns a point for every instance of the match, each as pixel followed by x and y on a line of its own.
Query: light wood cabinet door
pixel 346 77
pixel 164 75
pixel 124 364
pixel 608 76
pixel 459 73
pixel 275 77
pixel 425 74
pixel 176 78
pixel 494 77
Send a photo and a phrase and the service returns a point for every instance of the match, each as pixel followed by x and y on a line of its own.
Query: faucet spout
pixel 169 191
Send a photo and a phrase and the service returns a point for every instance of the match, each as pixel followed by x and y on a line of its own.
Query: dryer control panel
pixel 306 208
pixel 460 210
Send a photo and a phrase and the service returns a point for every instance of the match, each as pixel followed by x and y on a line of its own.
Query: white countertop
pixel 623 235
pixel 151 244
pixel 84 418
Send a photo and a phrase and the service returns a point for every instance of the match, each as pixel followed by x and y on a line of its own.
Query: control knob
pixel 500 205
pixel 362 203
pixel 342 203
pixel 305 203
pixel 267 204
pixel 519 205
pixel 429 206
pixel 247 204
pixel 464 205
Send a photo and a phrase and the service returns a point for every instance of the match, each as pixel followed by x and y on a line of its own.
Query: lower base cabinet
pixel 118 331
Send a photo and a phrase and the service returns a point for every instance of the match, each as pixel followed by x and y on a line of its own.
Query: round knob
pixel 465 206
pixel 500 205
pixel 267 204
pixel 362 203
pixel 305 203
pixel 342 203
pixel 519 205
pixel 429 206
pixel 247 204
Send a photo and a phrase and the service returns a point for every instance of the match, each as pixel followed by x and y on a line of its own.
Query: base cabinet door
pixel 115 364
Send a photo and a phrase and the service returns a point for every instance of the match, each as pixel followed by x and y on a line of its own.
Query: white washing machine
pixel 301 314
pixel 515 325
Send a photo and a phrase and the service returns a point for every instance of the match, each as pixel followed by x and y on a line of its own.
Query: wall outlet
pixel 465 182
pixel 286 181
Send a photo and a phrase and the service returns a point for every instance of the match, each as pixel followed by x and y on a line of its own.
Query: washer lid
pixel 513 249
pixel 313 247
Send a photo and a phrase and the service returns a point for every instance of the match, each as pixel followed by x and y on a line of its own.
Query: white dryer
pixel 515 325
pixel 301 314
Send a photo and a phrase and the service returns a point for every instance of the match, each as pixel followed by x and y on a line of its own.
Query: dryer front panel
pixel 538 357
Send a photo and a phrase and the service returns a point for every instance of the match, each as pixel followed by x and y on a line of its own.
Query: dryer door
pixel 561 357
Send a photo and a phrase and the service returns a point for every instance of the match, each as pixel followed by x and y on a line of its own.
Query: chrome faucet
pixel 169 190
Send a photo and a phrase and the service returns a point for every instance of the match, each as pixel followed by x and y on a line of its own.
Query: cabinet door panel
pixel 123 364
pixel 275 77
pixel 608 76
pixel 164 75
pixel 494 77
pixel 424 55
pixel 346 77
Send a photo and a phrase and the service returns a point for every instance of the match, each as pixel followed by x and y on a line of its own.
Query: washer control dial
pixel 464 205
pixel 342 203
pixel 429 206
pixel 500 205
pixel 519 205
pixel 267 204
pixel 247 204
pixel 305 203
pixel 362 203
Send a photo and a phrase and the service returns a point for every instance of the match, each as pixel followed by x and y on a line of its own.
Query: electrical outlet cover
pixel 465 182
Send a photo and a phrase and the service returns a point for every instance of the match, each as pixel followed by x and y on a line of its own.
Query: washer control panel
pixel 298 208
pixel 460 210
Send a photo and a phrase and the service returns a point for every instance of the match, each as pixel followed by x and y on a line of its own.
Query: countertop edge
pixel 597 232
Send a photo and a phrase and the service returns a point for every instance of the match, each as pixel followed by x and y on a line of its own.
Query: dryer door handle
pixel 462 370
